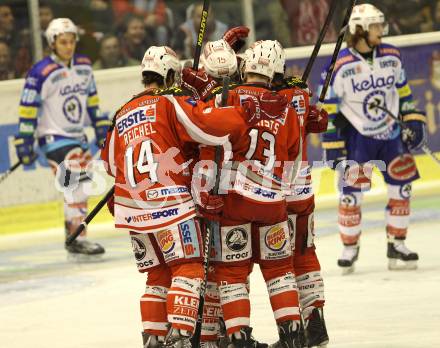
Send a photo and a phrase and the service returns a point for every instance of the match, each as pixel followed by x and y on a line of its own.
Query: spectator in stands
pixel 134 40
pixel 111 56
pixel 306 18
pixel 102 17
pixel 154 14
pixel 186 37
pixel 6 24
pixel 6 70
pixel 46 15
pixel 436 12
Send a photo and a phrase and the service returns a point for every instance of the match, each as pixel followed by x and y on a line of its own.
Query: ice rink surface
pixel 46 301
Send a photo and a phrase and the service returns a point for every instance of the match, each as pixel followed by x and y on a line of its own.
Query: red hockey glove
pixel 210 205
pixel 235 37
pixel 198 82
pixel 317 120
pixel 270 105
pixel 111 205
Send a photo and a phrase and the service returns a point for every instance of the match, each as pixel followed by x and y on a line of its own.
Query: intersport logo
pixel 372 83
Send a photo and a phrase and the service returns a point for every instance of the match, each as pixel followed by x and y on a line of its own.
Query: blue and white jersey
pixel 57 100
pixel 357 85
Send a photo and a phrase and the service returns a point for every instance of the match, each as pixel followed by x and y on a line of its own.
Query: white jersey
pixel 358 84
pixel 56 99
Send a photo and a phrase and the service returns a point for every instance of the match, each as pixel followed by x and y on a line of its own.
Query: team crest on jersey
pixel 166 241
pixel 139 248
pixel 275 238
pixel 373 113
pixel 72 109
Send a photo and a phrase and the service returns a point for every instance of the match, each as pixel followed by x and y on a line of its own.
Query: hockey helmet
pixel 260 58
pixel 280 58
pixel 364 15
pixel 60 26
pixel 218 59
pixel 160 60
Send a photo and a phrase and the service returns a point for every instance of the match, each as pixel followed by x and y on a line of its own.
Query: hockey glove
pixel 317 120
pixel 198 82
pixel 235 37
pixel 24 146
pixel 210 206
pixel 269 105
pixel 101 128
pixel 414 135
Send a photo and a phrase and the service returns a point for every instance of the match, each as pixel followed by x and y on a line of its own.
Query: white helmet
pixel 364 15
pixel 218 59
pixel 260 58
pixel 59 26
pixel 161 59
pixel 280 58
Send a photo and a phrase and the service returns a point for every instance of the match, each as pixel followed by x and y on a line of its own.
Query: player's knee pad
pixel 211 313
pixel 357 177
pixel 234 299
pixel 232 245
pixel 272 245
pixel 283 292
pixel 311 291
pixel 397 211
pixel 181 243
pixel 349 219
pixel 154 301
pixel 183 296
pixel 146 251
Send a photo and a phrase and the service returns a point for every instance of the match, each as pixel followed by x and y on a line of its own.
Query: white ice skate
pixel 177 339
pixel 400 257
pixel 151 341
pixel 349 256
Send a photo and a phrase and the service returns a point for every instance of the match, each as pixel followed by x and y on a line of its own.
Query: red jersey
pixel 260 170
pixel 143 151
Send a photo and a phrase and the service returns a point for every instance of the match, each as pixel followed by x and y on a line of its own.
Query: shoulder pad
pixel 170 90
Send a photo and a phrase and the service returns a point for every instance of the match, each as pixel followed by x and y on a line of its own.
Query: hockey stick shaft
pixel 70 239
pixel 201 35
pixel 339 42
pixel 213 227
pixel 318 43
pixel 10 171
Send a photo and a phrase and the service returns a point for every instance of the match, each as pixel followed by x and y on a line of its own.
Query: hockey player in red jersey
pixel 144 153
pixel 300 207
pixel 254 219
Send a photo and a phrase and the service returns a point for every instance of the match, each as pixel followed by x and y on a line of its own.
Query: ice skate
pixel 349 256
pixel 84 251
pixel 315 330
pixel 244 339
pixel 151 341
pixel 400 257
pixel 177 339
pixel 290 336
pixel 209 344
pixel 223 339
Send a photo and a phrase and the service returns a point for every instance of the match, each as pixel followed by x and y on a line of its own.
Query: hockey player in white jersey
pixel 58 100
pixel 370 73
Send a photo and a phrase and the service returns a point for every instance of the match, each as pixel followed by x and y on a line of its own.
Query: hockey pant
pixel 305 261
pixel 70 164
pixel 397 210
pixel 235 248
pixel 172 260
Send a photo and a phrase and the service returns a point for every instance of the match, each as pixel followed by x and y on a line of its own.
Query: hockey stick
pixel 70 239
pixel 424 147
pixel 341 36
pixel 10 171
pixel 201 35
pixel 318 43
pixel 213 227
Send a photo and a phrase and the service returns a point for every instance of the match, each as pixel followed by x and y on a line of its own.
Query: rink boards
pixel 29 200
